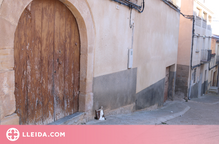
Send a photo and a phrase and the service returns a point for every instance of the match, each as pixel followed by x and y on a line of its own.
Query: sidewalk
pixel 198 111
pixel 207 99
pixel 169 111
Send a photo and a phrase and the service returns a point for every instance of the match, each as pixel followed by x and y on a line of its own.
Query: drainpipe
pixel 131 25
pixel 191 67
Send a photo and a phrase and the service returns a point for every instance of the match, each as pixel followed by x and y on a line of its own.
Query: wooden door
pixel 47 63
pixel 166 86
pixel 214 79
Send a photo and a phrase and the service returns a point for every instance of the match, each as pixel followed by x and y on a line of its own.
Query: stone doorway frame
pixel 10 12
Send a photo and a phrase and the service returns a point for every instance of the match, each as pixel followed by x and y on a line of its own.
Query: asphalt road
pixel 203 111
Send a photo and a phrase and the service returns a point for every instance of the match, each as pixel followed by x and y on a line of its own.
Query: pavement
pixel 203 111
pixel 169 111
pixel 198 111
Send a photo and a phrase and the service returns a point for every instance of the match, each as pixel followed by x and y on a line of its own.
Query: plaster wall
pixel 113 36
pixel 155 42
pixel 185 38
pixel 185 34
pixel 213 45
pixel 155 46
pixel 200 73
pixel 184 49
pixel 201 43
pixel 189 7
pixel 199 79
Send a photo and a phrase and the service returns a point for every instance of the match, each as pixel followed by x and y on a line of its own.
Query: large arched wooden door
pixel 47 63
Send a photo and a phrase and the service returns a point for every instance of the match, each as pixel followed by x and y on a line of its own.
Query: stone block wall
pixel 9 11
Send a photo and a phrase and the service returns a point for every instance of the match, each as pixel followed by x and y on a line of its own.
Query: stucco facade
pixel 106 38
pixel 213 67
pixel 193 67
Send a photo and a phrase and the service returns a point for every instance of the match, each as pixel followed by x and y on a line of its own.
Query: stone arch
pixel 10 12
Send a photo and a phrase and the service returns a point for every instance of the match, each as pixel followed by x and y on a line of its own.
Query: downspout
pixel 132 25
pixel 191 67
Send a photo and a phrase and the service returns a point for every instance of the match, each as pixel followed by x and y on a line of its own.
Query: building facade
pixel 194 50
pixel 213 68
pixel 59 58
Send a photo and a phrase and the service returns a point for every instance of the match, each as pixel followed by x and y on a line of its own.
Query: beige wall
pixel 113 36
pixel 156 40
pixel 156 33
pixel 213 46
pixel 185 37
pixel 189 7
pixel 185 34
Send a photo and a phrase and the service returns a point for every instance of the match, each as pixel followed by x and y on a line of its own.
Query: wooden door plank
pixel 67 66
pixel 29 50
pixel 59 51
pixel 37 107
pixel 47 61
pixel 20 69
pixel 76 64
pixel 69 100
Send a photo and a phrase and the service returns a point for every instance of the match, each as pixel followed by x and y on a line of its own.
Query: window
pixel 194 76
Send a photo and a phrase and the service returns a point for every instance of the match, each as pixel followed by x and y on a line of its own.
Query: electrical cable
pixel 176 9
pixel 131 5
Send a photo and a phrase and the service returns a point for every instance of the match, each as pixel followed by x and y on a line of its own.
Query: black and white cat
pixel 100 114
